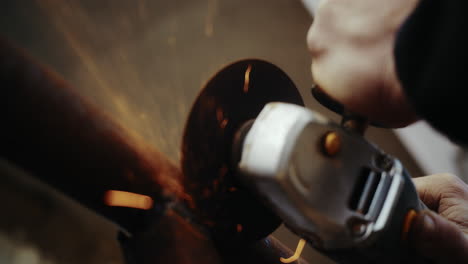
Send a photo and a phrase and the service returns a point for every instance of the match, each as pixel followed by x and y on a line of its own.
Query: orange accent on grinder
pixel 407 223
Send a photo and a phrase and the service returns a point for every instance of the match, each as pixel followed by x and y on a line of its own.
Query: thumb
pixel 311 6
pixel 437 239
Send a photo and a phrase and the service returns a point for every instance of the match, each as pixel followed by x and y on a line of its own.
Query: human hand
pixel 442 237
pixel 351 43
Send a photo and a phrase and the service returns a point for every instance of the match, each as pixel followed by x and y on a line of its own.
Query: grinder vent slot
pixel 364 191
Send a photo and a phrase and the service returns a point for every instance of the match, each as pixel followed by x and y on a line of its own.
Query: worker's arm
pixel 431 57
pixel 352 44
pixel 394 61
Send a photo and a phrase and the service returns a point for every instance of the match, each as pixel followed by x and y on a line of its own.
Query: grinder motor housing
pixel 350 203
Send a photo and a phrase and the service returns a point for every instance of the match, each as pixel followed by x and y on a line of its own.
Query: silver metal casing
pixel 283 160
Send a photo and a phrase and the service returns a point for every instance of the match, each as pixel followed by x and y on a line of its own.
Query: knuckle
pixel 454 186
pixel 450 179
pixel 313 42
pixel 323 32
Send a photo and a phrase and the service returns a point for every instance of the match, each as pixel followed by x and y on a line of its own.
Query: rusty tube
pixel 58 136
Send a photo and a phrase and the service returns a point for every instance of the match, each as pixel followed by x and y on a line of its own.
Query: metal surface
pixel 39 225
pixel 283 160
pixel 233 96
pixel 59 230
pixel 67 142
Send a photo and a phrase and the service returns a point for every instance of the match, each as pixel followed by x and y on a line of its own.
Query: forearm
pixel 431 54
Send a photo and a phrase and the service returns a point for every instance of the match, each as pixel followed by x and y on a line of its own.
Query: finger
pixel 433 188
pixel 437 239
pixel 311 6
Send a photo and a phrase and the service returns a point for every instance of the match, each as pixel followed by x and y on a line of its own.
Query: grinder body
pixel 250 164
pixel 329 185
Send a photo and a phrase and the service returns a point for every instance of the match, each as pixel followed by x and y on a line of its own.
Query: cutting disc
pixel 233 96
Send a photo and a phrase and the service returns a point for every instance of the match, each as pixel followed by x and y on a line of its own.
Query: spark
pixel 224 123
pixel 247 78
pixel 209 20
pixel 297 254
pixel 222 120
pixel 128 199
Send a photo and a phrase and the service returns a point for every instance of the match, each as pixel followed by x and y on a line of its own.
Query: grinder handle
pixel 406 209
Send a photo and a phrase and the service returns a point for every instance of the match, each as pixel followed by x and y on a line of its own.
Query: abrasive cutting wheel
pixel 235 95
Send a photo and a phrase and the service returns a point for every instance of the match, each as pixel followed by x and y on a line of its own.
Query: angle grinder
pixel 253 157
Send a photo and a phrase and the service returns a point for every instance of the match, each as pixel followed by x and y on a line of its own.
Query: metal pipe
pixel 55 134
